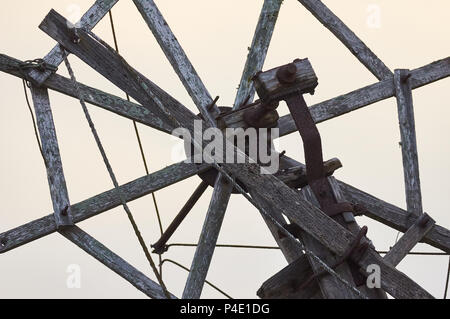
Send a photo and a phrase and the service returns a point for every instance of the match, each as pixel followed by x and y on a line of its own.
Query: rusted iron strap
pixel 312 144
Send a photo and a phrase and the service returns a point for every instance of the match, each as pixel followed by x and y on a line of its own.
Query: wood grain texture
pixel 275 192
pixel 394 216
pixel 284 284
pixel 178 59
pixel 408 142
pixel 88 21
pixel 357 99
pixel 93 96
pixel 258 50
pixel 348 38
pixel 50 149
pixel 108 258
pixel 407 242
pixel 100 203
pixel 208 238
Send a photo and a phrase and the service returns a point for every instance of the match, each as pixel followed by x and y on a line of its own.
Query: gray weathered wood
pixel 407 242
pixel 331 287
pixel 178 59
pixel 408 141
pixel 285 283
pixel 50 149
pixel 268 85
pixel 93 96
pixel 100 203
pixel 288 247
pixel 394 217
pixel 258 51
pixel 88 21
pixel 357 99
pixel 280 196
pixel 348 38
pixel 97 250
pixel 208 238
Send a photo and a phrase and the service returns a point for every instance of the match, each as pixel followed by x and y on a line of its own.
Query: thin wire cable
pixel 138 137
pixel 446 282
pixel 33 119
pixel 206 281
pixel 113 177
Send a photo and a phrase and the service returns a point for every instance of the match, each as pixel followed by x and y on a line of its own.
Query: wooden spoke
pixel 101 203
pixel 50 149
pixel 178 58
pixel 258 51
pixel 394 217
pixel 208 238
pixel 88 21
pixel 407 242
pixel 97 250
pixel 348 38
pixel 356 99
pixel 408 141
pixel 93 96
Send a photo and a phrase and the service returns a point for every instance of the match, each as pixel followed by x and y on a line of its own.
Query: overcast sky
pixel 215 35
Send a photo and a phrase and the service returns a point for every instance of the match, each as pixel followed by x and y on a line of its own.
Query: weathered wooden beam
pixel 178 59
pixel 411 237
pixel 50 149
pixel 284 284
pixel 394 217
pixel 408 141
pixel 258 51
pixel 93 96
pixel 88 21
pixel 100 203
pixel 97 250
pixel 100 56
pixel 348 38
pixel 208 238
pixel 357 99
pixel 105 60
pixel 330 286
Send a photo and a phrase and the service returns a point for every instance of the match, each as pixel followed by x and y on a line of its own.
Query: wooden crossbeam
pixel 101 203
pixel 408 141
pixel 88 21
pixel 308 217
pixel 348 38
pixel 357 99
pixel 411 237
pixel 208 238
pixel 258 51
pixel 97 250
pixel 50 149
pixel 93 96
pixel 394 217
pixel 178 59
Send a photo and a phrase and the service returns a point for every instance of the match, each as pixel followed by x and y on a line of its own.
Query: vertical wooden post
pixel 208 238
pixel 55 174
pixel 408 141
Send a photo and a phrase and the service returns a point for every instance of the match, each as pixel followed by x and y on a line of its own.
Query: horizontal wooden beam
pixel 348 38
pixel 93 96
pixel 100 252
pixel 354 100
pixel 100 203
pixel 411 237
pixel 88 21
pixel 394 216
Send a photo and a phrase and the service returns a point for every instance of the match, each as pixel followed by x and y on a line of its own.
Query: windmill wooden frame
pixel 323 239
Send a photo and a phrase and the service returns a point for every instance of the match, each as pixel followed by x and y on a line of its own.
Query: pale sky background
pixel 215 35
